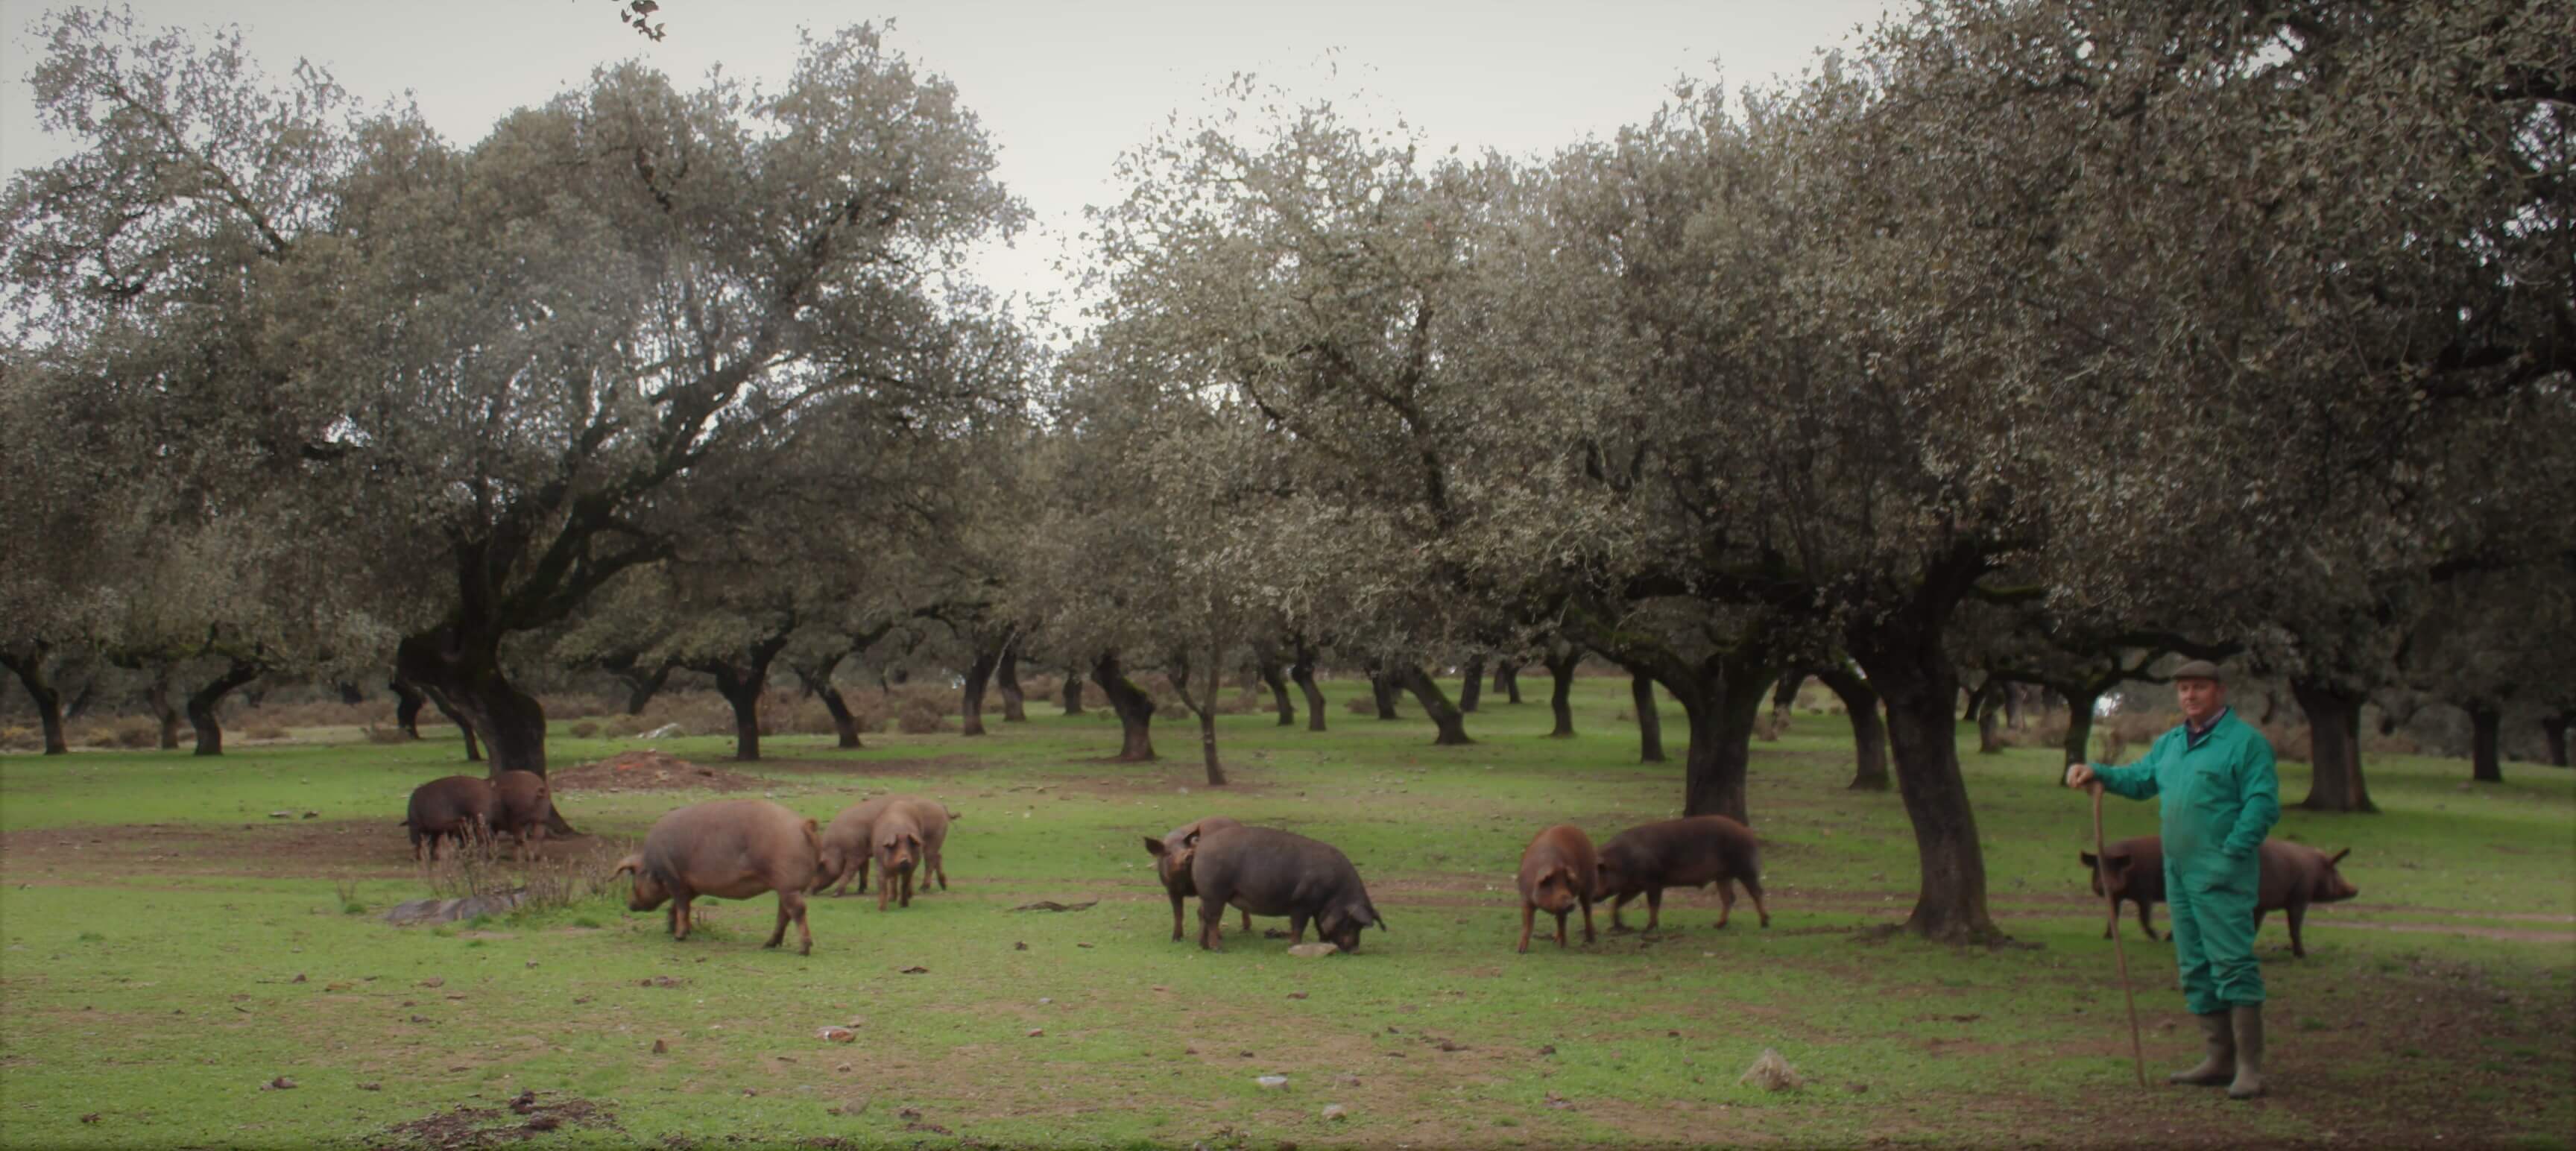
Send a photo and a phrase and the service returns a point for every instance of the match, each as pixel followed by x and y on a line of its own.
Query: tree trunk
pixel 741 683
pixel 1435 703
pixel 1903 657
pixel 1382 690
pixel 2334 742
pixel 1990 733
pixel 407 704
pixel 1135 709
pixel 1073 691
pixel 2485 721
pixel 978 674
pixel 1722 711
pixel 1650 724
pixel 1006 676
pixel 1474 685
pixel 1560 668
pixel 641 685
pixel 2079 724
pixel 1784 697
pixel 1303 671
pixel 30 668
pixel 817 678
pixel 2013 716
pixel 1279 692
pixel 1509 676
pixel 2553 729
pixel 158 695
pixel 459 668
pixel 1202 703
pixel 203 701
pixel 1869 732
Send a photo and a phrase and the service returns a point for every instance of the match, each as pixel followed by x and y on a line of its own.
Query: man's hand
pixel 2081 775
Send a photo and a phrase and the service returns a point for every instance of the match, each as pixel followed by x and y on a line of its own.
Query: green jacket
pixel 2220 798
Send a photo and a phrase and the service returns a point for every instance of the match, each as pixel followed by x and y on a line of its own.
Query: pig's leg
pixel 1654 907
pixel 791 905
pixel 1616 926
pixel 939 863
pixel 680 918
pixel 804 934
pixel 1211 922
pixel 1247 921
pixel 1753 887
pixel 1296 928
pixel 907 885
pixel 863 874
pixel 671 920
pixel 885 887
pixel 2143 921
pixel 1176 916
pixel 1560 928
pixel 1529 912
pixel 1587 918
pixel 2113 927
pixel 1725 901
pixel 2298 916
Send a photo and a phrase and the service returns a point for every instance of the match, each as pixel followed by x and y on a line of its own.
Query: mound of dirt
pixel 649 770
pixel 473 1128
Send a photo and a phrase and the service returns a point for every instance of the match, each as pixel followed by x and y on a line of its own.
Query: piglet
pixel 1266 871
pixel 848 841
pixel 730 849
pixel 1172 855
pixel 523 805
pixel 462 807
pixel 1685 852
pixel 1558 871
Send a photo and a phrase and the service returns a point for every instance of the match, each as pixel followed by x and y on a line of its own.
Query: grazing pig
pixel 458 806
pixel 522 806
pixel 907 837
pixel 730 849
pixel 1172 854
pixel 847 844
pixel 2294 875
pixel 1681 853
pixel 1266 871
pixel 1558 870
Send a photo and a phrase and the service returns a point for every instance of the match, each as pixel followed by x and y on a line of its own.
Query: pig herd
pixel 740 848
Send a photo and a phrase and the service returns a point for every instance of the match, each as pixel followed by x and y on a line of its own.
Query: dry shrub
pixel 2399 743
pixel 565 873
pixel 626 727
pixel 1360 705
pixel 328 713
pixel 2049 732
pixel 577 705
pixel 799 713
pixel 387 733
pixel 584 729
pixel 21 738
pixel 131 732
pixel 918 716
pixel 1043 687
pixel 265 731
pixel 1765 728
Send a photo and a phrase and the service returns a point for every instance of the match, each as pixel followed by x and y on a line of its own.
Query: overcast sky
pixel 1062 86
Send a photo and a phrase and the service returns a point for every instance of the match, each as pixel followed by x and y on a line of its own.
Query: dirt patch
pixel 650 770
pixel 521 1119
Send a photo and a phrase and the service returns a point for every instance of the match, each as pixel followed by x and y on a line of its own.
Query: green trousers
pixel 2213 937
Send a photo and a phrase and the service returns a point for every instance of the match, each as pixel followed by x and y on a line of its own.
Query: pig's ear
pixel 1153 846
pixel 628 866
pixel 1192 839
pixel 2337 857
pixel 1377 919
pixel 2090 860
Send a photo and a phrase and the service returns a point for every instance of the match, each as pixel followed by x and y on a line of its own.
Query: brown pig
pixel 2294 875
pixel 1266 871
pixel 461 807
pixel 1558 871
pixel 1681 853
pixel 522 807
pixel 847 844
pixel 909 835
pixel 1172 855
pixel 730 849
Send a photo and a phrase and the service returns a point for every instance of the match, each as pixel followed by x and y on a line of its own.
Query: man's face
pixel 2201 698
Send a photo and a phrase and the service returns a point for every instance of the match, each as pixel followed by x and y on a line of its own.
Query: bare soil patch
pixel 650 770
pixel 525 1117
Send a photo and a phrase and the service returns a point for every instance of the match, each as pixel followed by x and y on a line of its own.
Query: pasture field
pixel 168 950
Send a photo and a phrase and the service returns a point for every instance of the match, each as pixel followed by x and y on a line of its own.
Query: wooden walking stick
pixel 2102 873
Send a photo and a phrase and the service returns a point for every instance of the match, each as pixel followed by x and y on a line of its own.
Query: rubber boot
pixel 2249 1052
pixel 2219 1064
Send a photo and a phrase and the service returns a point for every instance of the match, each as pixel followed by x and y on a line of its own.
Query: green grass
pixel 149 978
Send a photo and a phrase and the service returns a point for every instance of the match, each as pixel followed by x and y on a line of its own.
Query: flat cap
pixel 2200 669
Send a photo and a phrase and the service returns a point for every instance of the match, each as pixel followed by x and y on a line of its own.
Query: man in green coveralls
pixel 2220 796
